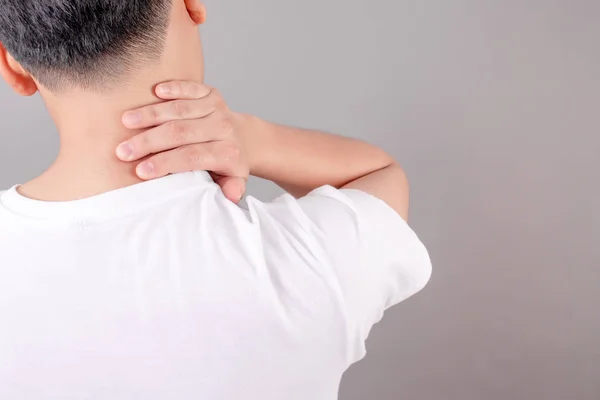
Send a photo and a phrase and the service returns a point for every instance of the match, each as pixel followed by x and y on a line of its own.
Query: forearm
pixel 301 160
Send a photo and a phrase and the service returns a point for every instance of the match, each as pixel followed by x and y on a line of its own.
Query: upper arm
pixel 364 247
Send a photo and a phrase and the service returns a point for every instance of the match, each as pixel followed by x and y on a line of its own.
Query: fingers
pixel 186 90
pixel 233 187
pixel 192 131
pixel 190 100
pixel 157 114
pixel 171 135
pixel 219 157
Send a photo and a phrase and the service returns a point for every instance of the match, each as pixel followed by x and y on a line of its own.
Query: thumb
pixel 233 187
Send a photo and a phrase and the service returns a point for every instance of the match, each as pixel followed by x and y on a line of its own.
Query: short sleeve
pixel 377 259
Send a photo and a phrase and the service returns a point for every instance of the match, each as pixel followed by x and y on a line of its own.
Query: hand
pixel 193 130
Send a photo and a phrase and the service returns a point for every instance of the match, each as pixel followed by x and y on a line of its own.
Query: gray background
pixel 492 107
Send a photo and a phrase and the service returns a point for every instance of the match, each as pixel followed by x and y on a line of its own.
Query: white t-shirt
pixel 167 291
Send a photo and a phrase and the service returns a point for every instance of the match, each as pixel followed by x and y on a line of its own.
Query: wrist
pixel 254 140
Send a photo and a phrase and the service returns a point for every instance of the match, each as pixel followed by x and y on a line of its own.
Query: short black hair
pixel 87 43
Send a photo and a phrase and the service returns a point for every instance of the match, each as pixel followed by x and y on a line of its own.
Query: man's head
pixel 87 44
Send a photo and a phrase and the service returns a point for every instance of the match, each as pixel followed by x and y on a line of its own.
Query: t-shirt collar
pixel 107 205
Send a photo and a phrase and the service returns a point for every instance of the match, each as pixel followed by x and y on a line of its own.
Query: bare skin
pixel 89 123
pixel 195 130
pixel 135 131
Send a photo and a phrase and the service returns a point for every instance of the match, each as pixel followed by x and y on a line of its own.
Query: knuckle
pixel 192 155
pixel 231 153
pixel 226 126
pixel 177 132
pixel 179 109
pixel 153 114
pixel 143 142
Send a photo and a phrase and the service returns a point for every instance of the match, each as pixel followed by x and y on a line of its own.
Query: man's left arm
pixel 194 129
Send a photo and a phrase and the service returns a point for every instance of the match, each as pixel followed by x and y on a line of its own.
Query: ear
pixel 196 10
pixel 15 75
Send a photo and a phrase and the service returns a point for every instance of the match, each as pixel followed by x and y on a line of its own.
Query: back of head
pixel 84 43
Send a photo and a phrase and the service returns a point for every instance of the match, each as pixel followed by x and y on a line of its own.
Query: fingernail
pixel 125 152
pixel 145 169
pixel 163 90
pixel 132 118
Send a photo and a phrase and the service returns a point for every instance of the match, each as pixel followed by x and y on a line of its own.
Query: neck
pixel 90 123
pixel 90 130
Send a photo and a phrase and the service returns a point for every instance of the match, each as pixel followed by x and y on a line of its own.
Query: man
pixel 124 277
